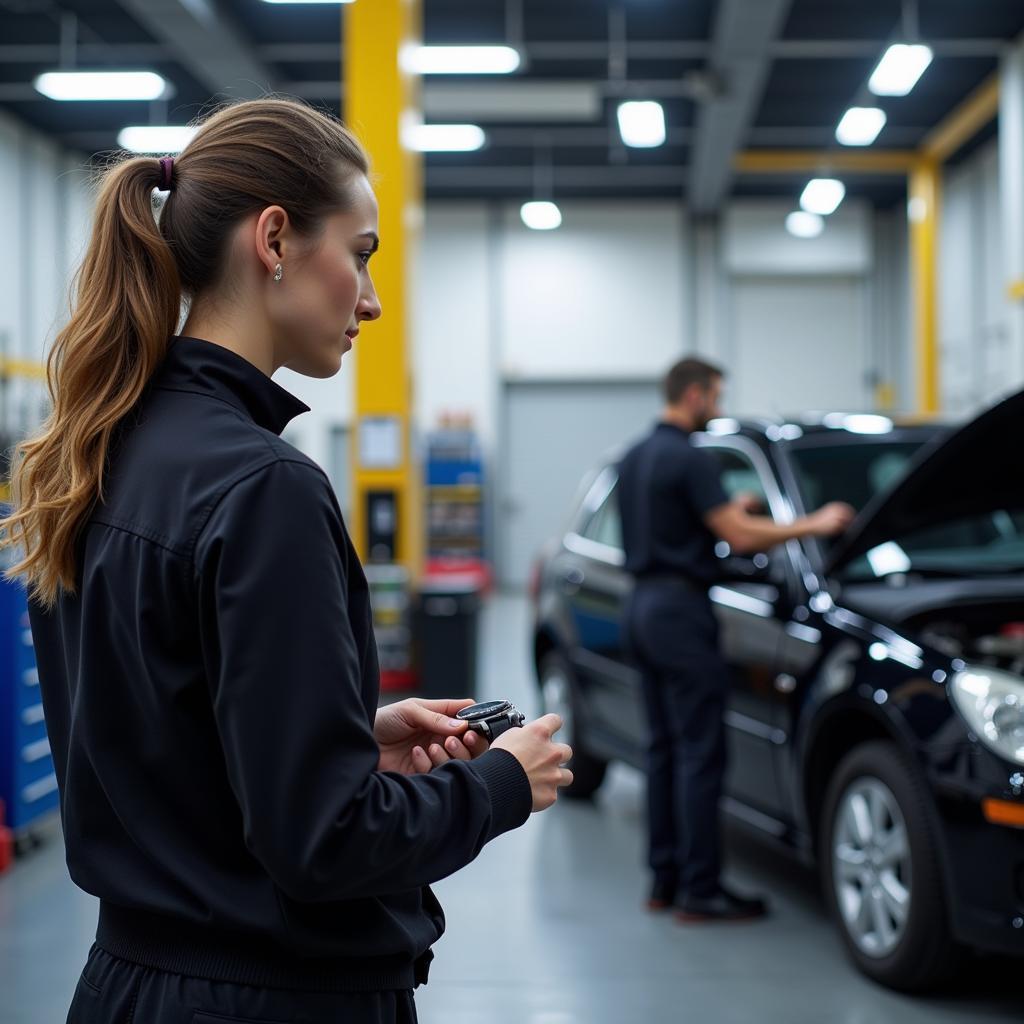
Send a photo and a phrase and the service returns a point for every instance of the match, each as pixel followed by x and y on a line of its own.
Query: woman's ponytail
pixel 127 304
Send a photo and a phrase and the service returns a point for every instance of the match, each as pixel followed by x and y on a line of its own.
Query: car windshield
pixel 855 472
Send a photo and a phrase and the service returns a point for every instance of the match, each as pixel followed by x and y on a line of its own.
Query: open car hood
pixel 968 472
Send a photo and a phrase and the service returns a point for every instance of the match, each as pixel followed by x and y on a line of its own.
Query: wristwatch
pixel 491 718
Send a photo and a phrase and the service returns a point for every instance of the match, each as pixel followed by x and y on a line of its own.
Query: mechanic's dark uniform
pixel 666 487
pixel 210 694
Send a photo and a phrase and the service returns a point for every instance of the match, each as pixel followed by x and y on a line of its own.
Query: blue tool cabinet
pixel 28 785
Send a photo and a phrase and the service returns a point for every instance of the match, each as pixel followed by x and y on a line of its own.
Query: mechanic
pixel 260 835
pixel 674 511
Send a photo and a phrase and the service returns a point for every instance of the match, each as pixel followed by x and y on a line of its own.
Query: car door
pixel 596 587
pixel 750 615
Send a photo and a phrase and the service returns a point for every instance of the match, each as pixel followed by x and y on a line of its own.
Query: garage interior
pixel 512 362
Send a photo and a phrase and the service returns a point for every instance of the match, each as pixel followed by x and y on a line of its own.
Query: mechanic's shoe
pixel 663 894
pixel 722 906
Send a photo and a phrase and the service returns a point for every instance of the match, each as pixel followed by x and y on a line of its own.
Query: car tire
pixel 559 695
pixel 875 845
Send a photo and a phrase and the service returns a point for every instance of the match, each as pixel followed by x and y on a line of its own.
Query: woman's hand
pixel 417 735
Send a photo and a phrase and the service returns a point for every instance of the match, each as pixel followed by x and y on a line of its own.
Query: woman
pixel 260 837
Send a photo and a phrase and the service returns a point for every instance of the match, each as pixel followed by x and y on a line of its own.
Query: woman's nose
pixel 369 306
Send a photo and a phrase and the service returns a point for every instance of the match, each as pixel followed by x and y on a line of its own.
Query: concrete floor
pixel 572 945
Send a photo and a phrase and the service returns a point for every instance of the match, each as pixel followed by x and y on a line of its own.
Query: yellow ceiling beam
pixel 790 161
pixel 923 170
pixel 963 122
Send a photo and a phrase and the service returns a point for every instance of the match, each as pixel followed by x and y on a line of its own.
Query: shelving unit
pixel 456 535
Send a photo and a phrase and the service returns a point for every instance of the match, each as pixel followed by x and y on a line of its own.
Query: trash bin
pixel 447 626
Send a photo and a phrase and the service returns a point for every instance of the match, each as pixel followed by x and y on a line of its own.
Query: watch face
pixel 486 709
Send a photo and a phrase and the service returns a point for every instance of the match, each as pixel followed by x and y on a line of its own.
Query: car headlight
pixel 992 703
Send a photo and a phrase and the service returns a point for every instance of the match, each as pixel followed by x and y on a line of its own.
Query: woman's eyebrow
pixel 372 235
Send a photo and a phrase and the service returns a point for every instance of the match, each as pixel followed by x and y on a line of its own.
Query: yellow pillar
pixel 923 208
pixel 379 98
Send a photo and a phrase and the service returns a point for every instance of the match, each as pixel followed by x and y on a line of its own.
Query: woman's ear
pixel 273 230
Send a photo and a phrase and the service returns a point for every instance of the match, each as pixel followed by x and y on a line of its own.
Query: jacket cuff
pixel 508 787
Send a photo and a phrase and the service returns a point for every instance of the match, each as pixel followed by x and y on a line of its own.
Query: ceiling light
pixel 899 69
pixel 101 85
pixel 860 126
pixel 460 60
pixel 804 225
pixel 642 123
pixel 541 216
pixel 444 138
pixel 822 196
pixel 156 138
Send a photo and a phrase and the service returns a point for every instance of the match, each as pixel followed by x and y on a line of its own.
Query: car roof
pixel 837 426
pixel 810 427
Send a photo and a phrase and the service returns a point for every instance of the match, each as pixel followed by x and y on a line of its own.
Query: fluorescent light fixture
pixel 460 60
pixel 804 225
pixel 444 138
pixel 860 126
pixel 642 123
pixel 541 216
pixel 899 69
pixel 156 138
pixel 822 196
pixel 101 85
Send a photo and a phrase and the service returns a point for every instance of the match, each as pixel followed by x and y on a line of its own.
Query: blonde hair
pixel 128 295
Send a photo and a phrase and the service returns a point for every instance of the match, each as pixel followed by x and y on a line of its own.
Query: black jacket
pixel 210 694
pixel 666 487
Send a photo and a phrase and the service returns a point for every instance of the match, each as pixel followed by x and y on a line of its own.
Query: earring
pixel 278 272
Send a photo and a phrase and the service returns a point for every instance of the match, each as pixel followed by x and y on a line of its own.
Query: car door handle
pixel 571 580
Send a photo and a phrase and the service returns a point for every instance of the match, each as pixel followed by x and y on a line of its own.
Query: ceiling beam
pixel 660 49
pixel 791 161
pixel 964 121
pixel 206 44
pixel 742 36
pixel 626 177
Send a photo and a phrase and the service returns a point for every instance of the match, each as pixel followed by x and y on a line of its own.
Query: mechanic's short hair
pixel 690 370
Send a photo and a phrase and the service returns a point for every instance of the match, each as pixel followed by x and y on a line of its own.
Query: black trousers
pixel 672 634
pixel 113 991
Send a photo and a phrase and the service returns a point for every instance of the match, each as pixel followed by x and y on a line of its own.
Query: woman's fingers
pixel 420 761
pixel 457 749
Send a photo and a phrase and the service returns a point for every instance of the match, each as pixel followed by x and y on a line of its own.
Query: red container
pixel 6 841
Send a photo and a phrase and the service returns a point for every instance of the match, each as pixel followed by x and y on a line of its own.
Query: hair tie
pixel 166 170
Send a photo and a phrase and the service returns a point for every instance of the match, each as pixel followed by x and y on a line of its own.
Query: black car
pixel 876 718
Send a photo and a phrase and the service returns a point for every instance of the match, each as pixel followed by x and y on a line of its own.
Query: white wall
pixel 600 298
pixel 455 317
pixel 976 363
pixel 45 203
pixel 621 290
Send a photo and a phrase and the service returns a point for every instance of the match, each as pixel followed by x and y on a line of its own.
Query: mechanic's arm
pixel 746 533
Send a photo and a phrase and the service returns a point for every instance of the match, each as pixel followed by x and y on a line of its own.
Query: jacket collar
pixel 204 368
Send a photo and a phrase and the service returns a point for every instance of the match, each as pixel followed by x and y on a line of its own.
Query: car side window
pixel 604 526
pixel 739 476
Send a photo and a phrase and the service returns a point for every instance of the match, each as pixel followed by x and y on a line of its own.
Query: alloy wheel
pixel 871 866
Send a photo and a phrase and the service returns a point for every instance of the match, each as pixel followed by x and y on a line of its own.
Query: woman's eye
pixel 364 257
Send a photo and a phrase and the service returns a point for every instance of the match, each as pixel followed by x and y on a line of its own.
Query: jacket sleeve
pixel 284 670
